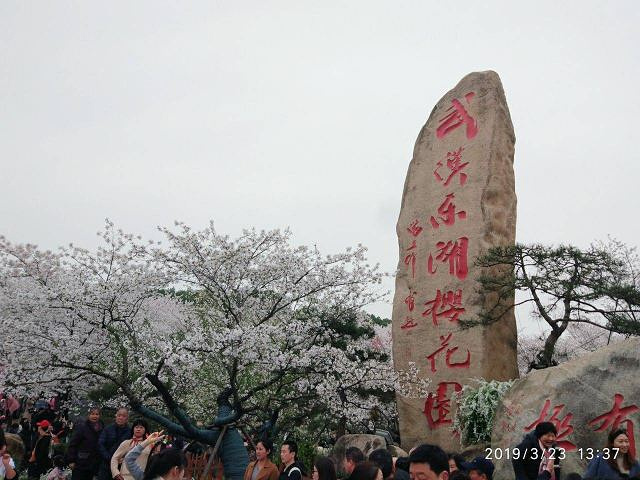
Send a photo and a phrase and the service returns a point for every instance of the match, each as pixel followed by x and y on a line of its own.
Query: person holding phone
pixel 130 459
pixel 119 470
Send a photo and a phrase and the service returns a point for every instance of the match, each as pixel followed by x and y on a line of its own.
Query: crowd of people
pixel 539 459
pixel 124 451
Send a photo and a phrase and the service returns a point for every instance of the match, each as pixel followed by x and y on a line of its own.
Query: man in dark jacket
pixel 538 454
pixel 384 460
pixel 110 439
pixel 352 457
pixel 291 469
pixel 82 455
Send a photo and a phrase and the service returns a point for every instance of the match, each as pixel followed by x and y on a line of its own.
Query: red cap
pixel 44 424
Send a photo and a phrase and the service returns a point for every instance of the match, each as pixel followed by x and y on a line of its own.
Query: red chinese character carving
pixel 458 116
pixel 444 343
pixel 448 305
pixel 447 212
pixel 614 417
pixel 430 268
pixel 410 259
pixel 414 228
pixel 455 166
pixel 410 301
pixel 563 426
pixel 440 405
pixel 408 324
pixel 453 252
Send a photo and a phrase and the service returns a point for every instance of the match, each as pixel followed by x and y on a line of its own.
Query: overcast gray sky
pixel 304 114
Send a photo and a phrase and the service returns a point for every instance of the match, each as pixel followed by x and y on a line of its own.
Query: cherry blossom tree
pixel 201 333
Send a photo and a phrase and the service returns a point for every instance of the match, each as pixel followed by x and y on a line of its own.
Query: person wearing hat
pixel 479 468
pixel 40 460
pixel 537 459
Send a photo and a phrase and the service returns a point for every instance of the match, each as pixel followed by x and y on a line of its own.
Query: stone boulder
pixel 366 443
pixel 585 398
pixel 397 451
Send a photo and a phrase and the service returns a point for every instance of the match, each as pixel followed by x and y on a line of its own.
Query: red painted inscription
pixel 410 301
pixel 453 252
pixel 563 425
pixel 410 259
pixel 617 416
pixel 444 344
pixel 447 212
pixel 455 166
pixel 456 116
pixel 437 407
pixel 414 228
pixel 408 324
pixel 446 305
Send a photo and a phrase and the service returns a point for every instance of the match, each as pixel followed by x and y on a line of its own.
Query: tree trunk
pixel 341 429
pixel 234 455
pixel 544 358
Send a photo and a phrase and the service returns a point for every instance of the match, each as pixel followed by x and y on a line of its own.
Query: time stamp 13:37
pixel 559 453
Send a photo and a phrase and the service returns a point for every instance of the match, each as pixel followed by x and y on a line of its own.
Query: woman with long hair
pixel 262 468
pixel 119 470
pixel 616 461
pixel 323 469
pixel 455 462
pixel 366 471
pixel 168 464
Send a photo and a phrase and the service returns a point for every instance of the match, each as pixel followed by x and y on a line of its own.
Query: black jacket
pixel 41 451
pixel 295 471
pixel 111 438
pixel 83 448
pixel 526 467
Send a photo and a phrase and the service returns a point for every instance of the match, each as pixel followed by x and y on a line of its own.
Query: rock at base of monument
pixel 397 451
pixel 476 450
pixel 366 443
pixel 584 398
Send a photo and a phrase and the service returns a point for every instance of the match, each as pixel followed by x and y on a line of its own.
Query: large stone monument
pixel 458 201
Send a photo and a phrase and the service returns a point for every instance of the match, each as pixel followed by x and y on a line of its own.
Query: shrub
pixel 477 408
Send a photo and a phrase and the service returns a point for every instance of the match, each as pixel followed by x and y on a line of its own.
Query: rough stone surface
pixel 575 393
pixel 397 451
pixel 463 157
pixel 366 443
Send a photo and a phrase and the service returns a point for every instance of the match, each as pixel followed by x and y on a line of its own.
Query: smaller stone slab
pixel 585 398
pixel 366 443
